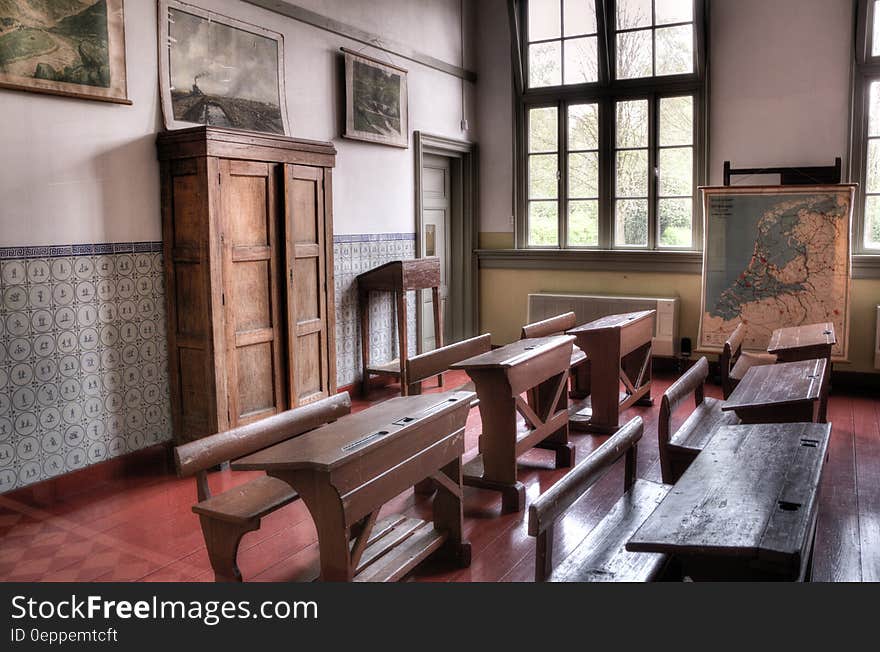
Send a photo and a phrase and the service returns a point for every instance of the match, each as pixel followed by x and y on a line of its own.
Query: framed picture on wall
pixel 74 48
pixel 376 101
pixel 214 70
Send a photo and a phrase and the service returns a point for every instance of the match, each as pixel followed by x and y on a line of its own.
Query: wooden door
pixel 251 292
pixel 306 283
pixel 436 211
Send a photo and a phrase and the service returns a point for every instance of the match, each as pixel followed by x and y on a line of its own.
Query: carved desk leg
pixel 326 509
pixel 498 440
pixel 221 540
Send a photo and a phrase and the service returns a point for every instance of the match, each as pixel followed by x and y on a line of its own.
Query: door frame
pixel 462 236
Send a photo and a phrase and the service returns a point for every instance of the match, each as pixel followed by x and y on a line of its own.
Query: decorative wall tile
pixel 354 254
pixel 83 358
pixel 83 354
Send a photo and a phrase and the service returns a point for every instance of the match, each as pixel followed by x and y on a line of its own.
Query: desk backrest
pixel 202 454
pixel 692 382
pixel 729 355
pixel 553 503
pixel 551 326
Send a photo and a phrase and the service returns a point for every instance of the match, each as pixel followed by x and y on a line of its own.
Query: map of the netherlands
pixel 775 256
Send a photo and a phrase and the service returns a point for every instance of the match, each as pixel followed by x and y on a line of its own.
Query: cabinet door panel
pixel 252 295
pixel 306 287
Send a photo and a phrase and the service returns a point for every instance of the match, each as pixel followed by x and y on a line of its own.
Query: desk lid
pixel 752 492
pixel 356 434
pixel 613 321
pixel 783 383
pixel 515 353
pixel 797 337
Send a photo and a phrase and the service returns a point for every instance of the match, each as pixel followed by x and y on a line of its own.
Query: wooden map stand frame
pixel 792 176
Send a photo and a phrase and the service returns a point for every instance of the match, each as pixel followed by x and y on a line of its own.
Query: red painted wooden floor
pixel 139 526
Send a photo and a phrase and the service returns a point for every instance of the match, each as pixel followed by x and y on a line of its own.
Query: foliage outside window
pixel 610 115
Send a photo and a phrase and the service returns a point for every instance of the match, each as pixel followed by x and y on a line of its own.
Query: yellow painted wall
pixel 504 302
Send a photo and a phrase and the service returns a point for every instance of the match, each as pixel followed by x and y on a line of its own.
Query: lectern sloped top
pixel 612 321
pixel 417 274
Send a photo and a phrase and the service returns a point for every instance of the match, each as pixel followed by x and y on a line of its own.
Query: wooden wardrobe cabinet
pixel 248 244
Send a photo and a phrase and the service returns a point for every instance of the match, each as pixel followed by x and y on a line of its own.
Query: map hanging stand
pixel 792 176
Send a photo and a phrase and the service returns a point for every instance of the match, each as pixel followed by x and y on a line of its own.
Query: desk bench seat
pixel 226 517
pixel 678 449
pixel 602 555
pixel 247 502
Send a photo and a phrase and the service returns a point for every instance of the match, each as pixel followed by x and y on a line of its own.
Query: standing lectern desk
pixel 397 277
pixel 619 350
pixel 511 425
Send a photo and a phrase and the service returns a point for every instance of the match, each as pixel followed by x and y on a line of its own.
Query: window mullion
pixel 562 173
pixel 653 172
pixel 606 173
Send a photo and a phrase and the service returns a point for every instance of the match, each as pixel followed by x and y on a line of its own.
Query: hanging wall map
pixel 775 256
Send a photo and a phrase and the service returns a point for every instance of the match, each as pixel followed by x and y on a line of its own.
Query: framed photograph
pixel 74 48
pixel 775 256
pixel 218 71
pixel 376 101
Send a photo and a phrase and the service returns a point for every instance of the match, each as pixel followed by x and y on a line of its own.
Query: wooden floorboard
pixel 837 557
pixel 140 526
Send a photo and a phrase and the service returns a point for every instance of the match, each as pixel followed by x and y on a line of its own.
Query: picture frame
pixel 757 241
pixel 219 71
pixel 68 49
pixel 376 101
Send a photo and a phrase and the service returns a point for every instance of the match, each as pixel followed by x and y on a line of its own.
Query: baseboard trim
pixel 151 460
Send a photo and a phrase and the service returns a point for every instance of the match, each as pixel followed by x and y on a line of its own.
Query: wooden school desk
pixel 786 392
pixel 619 350
pixel 746 507
pixel 501 377
pixel 345 471
pixel 806 342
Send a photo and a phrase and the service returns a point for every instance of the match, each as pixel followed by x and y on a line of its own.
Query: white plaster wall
pixel 75 171
pixel 779 82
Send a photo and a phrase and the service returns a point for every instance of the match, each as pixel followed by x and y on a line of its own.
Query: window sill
pixel 617 260
pixel 866 266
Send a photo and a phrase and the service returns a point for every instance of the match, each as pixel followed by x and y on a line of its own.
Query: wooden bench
pixel 580 364
pixel 678 449
pixel 601 556
pixel 226 517
pixel 436 362
pixel 735 362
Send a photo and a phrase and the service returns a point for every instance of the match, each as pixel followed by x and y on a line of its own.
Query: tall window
pixel 611 105
pixel 866 128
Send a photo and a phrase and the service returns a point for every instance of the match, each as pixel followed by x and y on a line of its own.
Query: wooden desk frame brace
pixel 500 390
pixel 398 278
pixel 619 348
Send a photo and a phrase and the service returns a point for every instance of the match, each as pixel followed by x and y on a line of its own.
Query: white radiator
pixel 877 341
pixel 588 307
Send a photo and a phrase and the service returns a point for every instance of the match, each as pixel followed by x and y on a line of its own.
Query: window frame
pixel 605 92
pixel 865 72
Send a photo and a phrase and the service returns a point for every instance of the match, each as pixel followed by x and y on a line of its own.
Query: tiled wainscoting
pixel 352 255
pixel 83 358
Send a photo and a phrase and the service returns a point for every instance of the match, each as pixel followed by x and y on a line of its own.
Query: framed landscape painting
pixel 218 71
pixel 376 101
pixel 64 47
pixel 775 256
